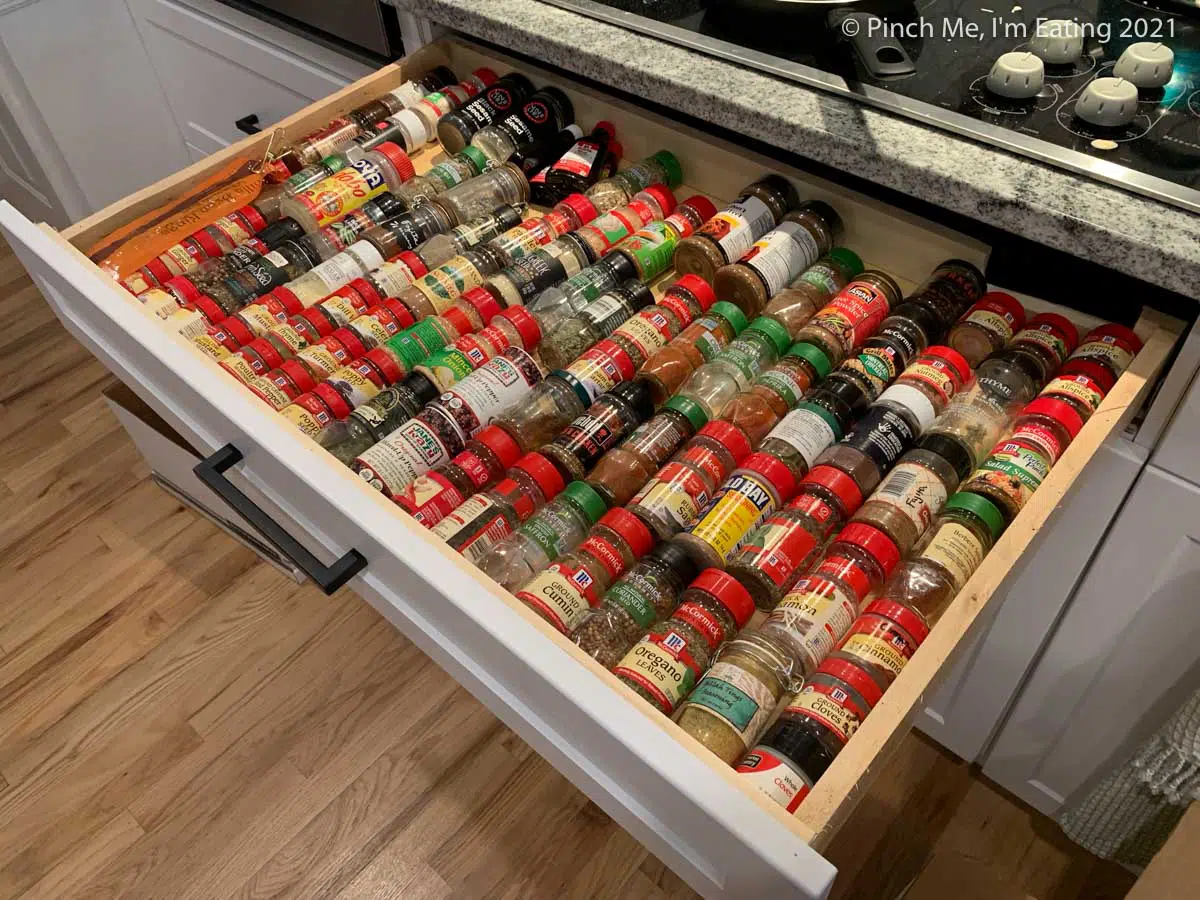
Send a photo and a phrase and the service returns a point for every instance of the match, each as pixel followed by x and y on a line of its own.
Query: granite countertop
pixel 1141 237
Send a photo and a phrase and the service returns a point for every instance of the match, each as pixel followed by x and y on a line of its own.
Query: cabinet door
pixel 23 179
pixel 1124 656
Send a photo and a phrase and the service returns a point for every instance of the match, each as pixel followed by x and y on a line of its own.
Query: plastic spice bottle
pixel 951 287
pixel 386 167
pixel 661 168
pixel 372 421
pixel 1081 383
pixel 441 248
pixel 582 164
pixel 436 291
pixel 624 469
pixel 468 163
pixel 487 518
pixel 758 410
pixel 505 96
pixel 610 228
pixel 647 593
pixel 895 421
pixel 987 327
pixel 1009 475
pixel 289 260
pixel 576 582
pixel 744 501
pixel 406 95
pixel 809 291
pixel 1049 424
pixel 668 369
pixel 665 665
pixel 520 282
pixel 805 234
pixel 852 316
pixel 580 445
pixel 731 233
pixel 653 327
pixel 736 367
pixel 555 529
pixel 785 545
pixel 563 300
pixel 680 490
pixel 1046 340
pixel 432 496
pixel 1112 346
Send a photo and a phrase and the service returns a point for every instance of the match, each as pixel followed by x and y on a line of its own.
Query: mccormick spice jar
pixel 646 594
pixel 882 640
pixel 799 301
pixel 1048 424
pixel 1081 383
pixel 987 327
pixel 1009 476
pixel 581 444
pixel 1047 340
pixel 736 367
pixel 432 496
pixel 665 665
pixel 746 498
pixel 852 316
pixel 667 369
pixel 806 432
pixel 661 168
pixel 1111 346
pixel 375 419
pixel 563 593
pixel 758 410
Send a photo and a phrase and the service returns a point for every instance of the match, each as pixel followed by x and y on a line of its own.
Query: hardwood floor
pixel 178 720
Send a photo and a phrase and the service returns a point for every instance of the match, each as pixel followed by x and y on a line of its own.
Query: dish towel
pixel 1128 816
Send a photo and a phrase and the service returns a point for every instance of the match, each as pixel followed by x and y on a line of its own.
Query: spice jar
pixel 804 235
pixel 1046 340
pixel 615 225
pixel 784 546
pixel 747 497
pixel 950 288
pixel 576 582
pixel 730 234
pixel 1009 475
pixel 758 410
pixel 674 497
pixel 665 665
pixel 851 316
pixel 506 94
pixel 809 291
pixel 482 194
pixel 810 731
pixel 900 338
pixel 384 168
pixel 736 367
pixel 372 421
pixel 1112 346
pixel 646 594
pixel 987 327
pixel 899 416
pixel 882 640
pixel 571 337
pixel 489 517
pixel 563 300
pixel 435 292
pixel 668 369
pixel 555 529
pixel 529 276
pixel 653 327
pixel 325 278
pixel 1048 424
pixel 580 445
pixel 487 456
pixel 406 95
pixel 806 432
pixel 661 168
pixel 460 167
pixel 1081 383
pixel 441 248
pixel 581 163
pixel 566 216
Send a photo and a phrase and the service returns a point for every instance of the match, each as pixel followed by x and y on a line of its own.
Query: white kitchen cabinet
pixel 24 181
pixel 692 811
pixel 1122 659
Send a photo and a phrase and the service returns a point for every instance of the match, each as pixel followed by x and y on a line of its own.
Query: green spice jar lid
pixel 847 259
pixel 732 314
pixel 585 497
pixel 476 157
pixel 813 355
pixel 689 409
pixel 981 507
pixel 825 415
pixel 777 333
pixel 671 166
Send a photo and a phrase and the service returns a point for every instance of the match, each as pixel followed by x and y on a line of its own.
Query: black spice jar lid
pixel 422 388
pixel 675 557
pixel 923 317
pixel 950 450
pixel 826 212
pixel 781 186
pixel 637 394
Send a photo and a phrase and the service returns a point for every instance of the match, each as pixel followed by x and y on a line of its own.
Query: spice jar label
pixel 883 435
pixel 392 278
pixel 475 401
pixel 601 369
pixel 737 226
pixel 830 705
pixel 1115 353
pixel 474 528
pixel 784 383
pixel 320 359
pixel 444 285
pixel 806 432
pixel 878 642
pixel 780 255
pixel 934 373
pixel 628 597
pixel 562 594
pixel 815 613
pixel 674 498
pixel 1047 336
pixel 649 330
pixel 662 665
pixel 411 450
pixel 1080 388
pixel 709 342
pixel 992 317
pixel 310 422
pixel 915 492
pixel 1013 471
pixel 703 622
pixel 736 696
pixel 430 498
pixel 853 315
pixel 1041 438
pixel 343 192
pixel 775 777
pixel 740 506
pixel 778 549
pixel 957 550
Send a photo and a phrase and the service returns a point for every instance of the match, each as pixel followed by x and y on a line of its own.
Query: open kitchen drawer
pixel 687 807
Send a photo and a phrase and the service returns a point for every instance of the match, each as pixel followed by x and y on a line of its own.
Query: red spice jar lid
pixel 1118 333
pixel 385 364
pixel 1063 413
pixel 1061 324
pixel 484 303
pixel 663 195
pixel 414 263
pixel 403 315
pixel 397 157
pixel 238 330
pixel 364 289
pixel 486 75
pixel 183 286
pixel 543 472
pixel 316 317
pixel 774 471
pixel 581 206
pixel 731 437
pixel 266 351
pixel 527 326
pixel 998 301
pixel 1102 375
pixel 299 373
pixel 210 309
pixel 158 269
pixel 875 542
pixel 458 320
pixel 729 591
pixel 952 357
pixel 207 243
pixel 632 530
pixel 851 674
pixel 902 615
pixel 331 406
pixel 350 341
pixel 287 299
pixel 702 205
pixel 500 443
pixel 254 217
pixel 839 484
pixel 698 288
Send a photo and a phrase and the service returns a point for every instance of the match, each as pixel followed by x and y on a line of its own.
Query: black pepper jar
pixel 601 427
pixel 951 288
pixel 901 338
pixel 505 96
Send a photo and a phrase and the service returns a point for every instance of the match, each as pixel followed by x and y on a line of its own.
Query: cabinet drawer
pixel 687 807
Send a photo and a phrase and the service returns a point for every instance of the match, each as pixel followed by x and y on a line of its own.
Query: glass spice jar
pixel 1009 475
pixel 785 545
pixel 647 593
pixel 1081 383
pixel 661 168
pixel 806 432
pixel 460 167
pixel 580 445
pixel 882 640
pixel 563 300
pixel 487 518
pixel 900 339
pixel 611 227
pixel 987 327
pixel 567 340
pixel 555 529
pixel 575 583
pixel 758 410
pixel 951 287
pixel 730 234
pixel 441 248
pixel 736 367
pixel 668 369
pixel 851 316
pixel 1046 340
pixel 436 291
pixel 370 423
pixel 665 665
pixel 385 168
pixel 674 497
pixel 432 496
pixel 1048 424
pixel 746 498
pixel 482 194
pixel 799 240
pixel 1112 346
pixel 524 279
pixel 800 300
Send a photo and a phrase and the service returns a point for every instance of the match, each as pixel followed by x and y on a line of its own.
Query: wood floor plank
pixel 66 878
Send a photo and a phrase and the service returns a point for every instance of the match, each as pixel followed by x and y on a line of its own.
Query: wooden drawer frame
pixel 689 809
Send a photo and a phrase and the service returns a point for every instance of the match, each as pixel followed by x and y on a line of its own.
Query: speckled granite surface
pixel 1141 237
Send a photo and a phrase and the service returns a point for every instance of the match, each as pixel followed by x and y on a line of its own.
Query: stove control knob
pixel 1146 64
pixel 1108 102
pixel 1017 75
pixel 1058 41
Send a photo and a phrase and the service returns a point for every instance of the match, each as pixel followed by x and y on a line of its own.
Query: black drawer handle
pixel 328 578
pixel 248 124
